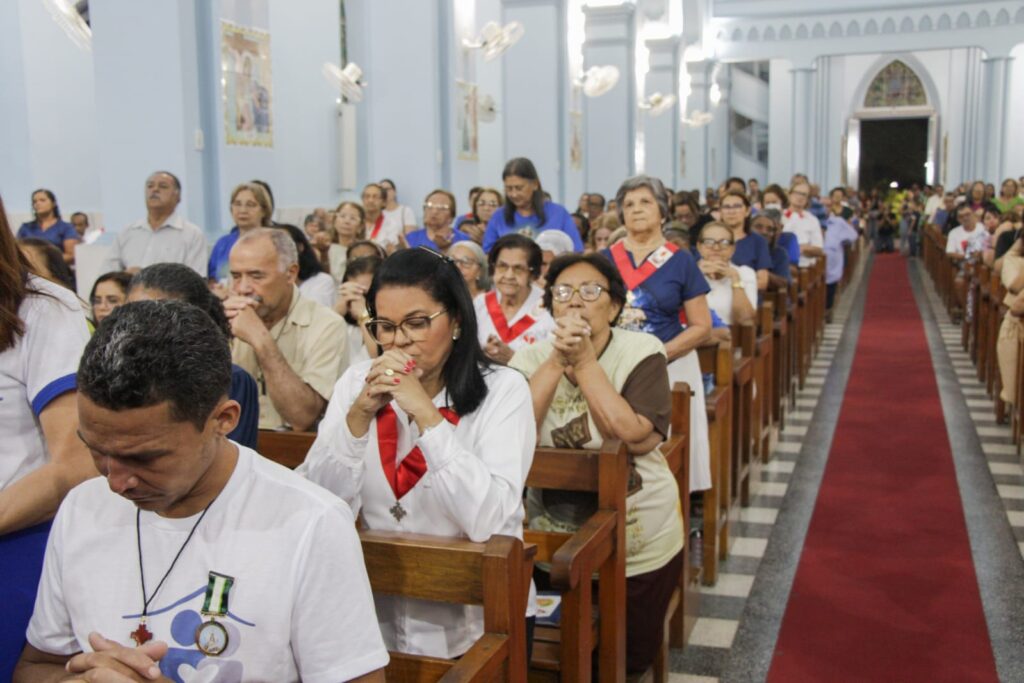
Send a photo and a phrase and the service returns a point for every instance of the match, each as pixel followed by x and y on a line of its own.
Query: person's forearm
pixel 296 401
pixel 777 281
pixel 543 384
pixel 614 417
pixel 34 498
pixel 26 672
pixel 689 339
pixel 762 279
pixel 811 250
pixel 742 311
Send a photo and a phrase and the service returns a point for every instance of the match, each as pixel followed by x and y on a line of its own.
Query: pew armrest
pixel 579 557
pixel 482 662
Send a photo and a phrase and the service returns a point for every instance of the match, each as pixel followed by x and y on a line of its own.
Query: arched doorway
pixel 892 133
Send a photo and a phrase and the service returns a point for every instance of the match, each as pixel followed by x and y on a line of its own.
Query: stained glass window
pixel 895 86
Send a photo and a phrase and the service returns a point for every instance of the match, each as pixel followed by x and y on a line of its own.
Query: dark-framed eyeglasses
pixel 712 243
pixel 589 291
pixel 415 328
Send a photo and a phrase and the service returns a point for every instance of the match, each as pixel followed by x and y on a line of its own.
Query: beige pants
pixel 1007 351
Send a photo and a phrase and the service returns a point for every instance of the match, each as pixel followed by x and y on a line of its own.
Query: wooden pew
pixel 493 575
pixel 717 358
pixel 599 546
pixel 781 357
pixel 285 448
pixel 743 373
pixel 804 322
pixel 995 320
pixel 764 379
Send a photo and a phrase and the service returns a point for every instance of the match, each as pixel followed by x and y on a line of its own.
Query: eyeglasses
pixel 799 193
pixel 589 291
pixel 711 243
pixel 517 269
pixel 491 203
pixel 415 328
pixel 439 207
pixel 463 262
pixel 245 205
pixel 733 207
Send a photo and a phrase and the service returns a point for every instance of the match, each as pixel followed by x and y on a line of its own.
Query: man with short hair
pixel 735 184
pixel 945 216
pixel 163 237
pixel 81 223
pixel 838 234
pixel 934 202
pixel 966 238
pixel 292 346
pixel 218 563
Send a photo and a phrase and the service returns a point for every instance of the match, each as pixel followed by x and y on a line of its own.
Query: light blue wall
pixel 47 114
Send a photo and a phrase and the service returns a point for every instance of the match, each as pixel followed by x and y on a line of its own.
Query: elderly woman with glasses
pixel 429 437
pixel 666 297
pixel 486 202
pixel 733 292
pixel 591 382
pixel 512 315
pixel 472 263
pixel 437 232
pixel 799 221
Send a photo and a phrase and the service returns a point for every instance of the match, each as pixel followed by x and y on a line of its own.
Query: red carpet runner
pixel 885 589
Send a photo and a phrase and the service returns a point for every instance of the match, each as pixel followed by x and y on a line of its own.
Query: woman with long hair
pixel 108 292
pixel 750 249
pixel 42 336
pixel 526 209
pixel 314 283
pixel 351 306
pixel 48 225
pixel 429 437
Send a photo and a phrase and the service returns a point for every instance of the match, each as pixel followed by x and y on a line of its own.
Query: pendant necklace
pixel 142 634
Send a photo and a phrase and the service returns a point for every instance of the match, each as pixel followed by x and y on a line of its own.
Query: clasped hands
pixel 394 375
pixel 245 323
pixel 718 269
pixel 573 347
pixel 112 662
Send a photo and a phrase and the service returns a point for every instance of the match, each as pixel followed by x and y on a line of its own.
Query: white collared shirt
pixel 540 330
pixel 176 241
pixel 473 488
pixel 807 228
pixel 720 296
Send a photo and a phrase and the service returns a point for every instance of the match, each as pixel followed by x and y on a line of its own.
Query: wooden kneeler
pixel 743 418
pixel 493 575
pixel 764 382
pixel 285 448
pixel 717 358
pixel 598 546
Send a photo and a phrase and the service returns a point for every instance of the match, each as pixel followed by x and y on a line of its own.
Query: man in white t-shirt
pixel 967 237
pixel 219 564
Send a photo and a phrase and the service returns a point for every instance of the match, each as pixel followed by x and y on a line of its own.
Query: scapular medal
pixel 211 636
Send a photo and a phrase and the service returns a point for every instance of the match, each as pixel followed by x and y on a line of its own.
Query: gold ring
pixel 389 372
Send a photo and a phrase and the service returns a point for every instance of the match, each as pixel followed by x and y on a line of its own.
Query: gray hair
pixel 483 281
pixel 774 214
pixel 638 182
pixel 284 245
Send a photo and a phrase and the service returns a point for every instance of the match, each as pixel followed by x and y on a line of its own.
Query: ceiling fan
pixel 495 39
pixel 698 119
pixel 73 18
pixel 348 80
pixel 597 80
pixel 657 104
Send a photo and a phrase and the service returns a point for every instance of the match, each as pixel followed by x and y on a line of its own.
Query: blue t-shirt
pixel 555 218
pixel 419 238
pixel 55 234
pixel 654 306
pixel 789 242
pixel 780 262
pixel 752 251
pixel 217 269
pixel 243 389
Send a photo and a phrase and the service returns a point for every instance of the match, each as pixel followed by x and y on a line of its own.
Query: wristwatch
pixel 365 317
pixel 737 285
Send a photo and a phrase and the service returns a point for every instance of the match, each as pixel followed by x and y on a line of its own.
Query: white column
pixel 694 168
pixel 996 98
pixel 611 118
pixel 803 109
pixel 661 133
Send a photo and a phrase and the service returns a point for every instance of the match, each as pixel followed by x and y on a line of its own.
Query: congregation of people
pixel 431 358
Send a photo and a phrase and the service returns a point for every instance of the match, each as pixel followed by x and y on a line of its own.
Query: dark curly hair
pixel 180 282
pixel 149 352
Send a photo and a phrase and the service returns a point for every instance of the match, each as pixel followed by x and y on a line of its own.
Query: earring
pixel 456 334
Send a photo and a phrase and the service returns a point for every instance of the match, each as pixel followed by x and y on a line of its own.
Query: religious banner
pixel 247 86
pixel 467 125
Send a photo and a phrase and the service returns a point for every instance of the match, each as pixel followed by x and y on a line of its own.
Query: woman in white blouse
pixel 427 438
pixel 733 294
pixel 401 213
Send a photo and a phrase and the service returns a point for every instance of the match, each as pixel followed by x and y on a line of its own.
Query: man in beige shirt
pixel 294 347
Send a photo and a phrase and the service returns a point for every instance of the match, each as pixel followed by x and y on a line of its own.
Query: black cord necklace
pixel 143 634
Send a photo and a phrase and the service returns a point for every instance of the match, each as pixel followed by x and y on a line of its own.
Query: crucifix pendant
pixel 397 511
pixel 141 635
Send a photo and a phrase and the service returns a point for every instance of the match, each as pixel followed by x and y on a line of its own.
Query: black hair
pixel 181 283
pixel 584 225
pixel 521 167
pixel 270 195
pixel 360 266
pixel 82 214
pixel 59 270
pixel 362 243
pixel 309 264
pixel 616 287
pixel 122 279
pixel 149 352
pixel 440 278
pixel 736 179
pixel 513 240
pixel 598 196
pixel 53 198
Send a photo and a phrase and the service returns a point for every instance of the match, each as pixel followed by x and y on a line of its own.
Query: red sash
pixel 376 226
pixel 634 277
pixel 506 333
pixel 413 466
